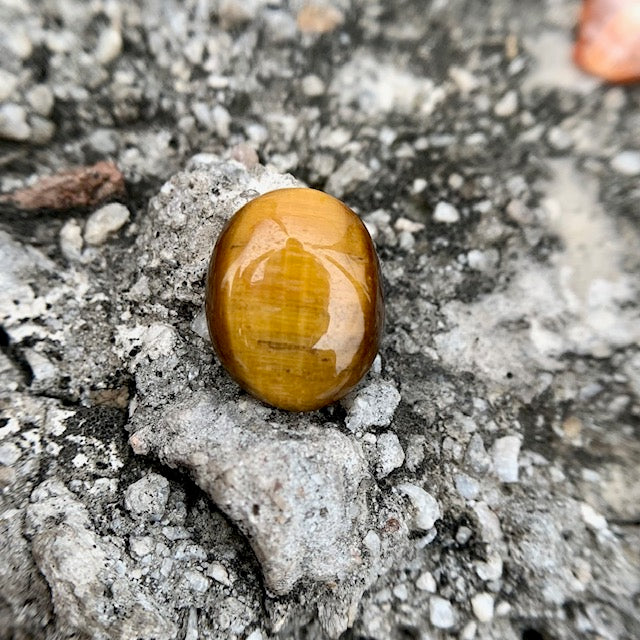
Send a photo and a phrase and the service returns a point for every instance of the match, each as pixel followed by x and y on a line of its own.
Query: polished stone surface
pixel 294 299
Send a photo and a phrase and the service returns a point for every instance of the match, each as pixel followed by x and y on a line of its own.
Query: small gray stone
pixel 441 613
pixel 347 177
pixel 476 456
pixel 104 141
pixel 42 130
pixel 372 405
pixel 141 546
pixel 463 535
pixel 9 453
pixel 197 581
pixel 505 458
pixel 390 454
pixel 559 139
pixel 41 99
pixel 147 498
pixel 467 487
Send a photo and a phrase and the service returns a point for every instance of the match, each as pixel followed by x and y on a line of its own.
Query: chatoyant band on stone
pixel 294 299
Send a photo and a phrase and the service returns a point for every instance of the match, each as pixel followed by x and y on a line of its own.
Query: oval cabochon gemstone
pixel 294 299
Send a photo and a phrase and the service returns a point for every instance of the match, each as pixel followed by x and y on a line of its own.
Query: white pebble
pixel 147 497
pixel 505 458
pixel 42 130
pixel 197 581
pixel 404 224
pixel 482 260
pixel 372 542
pixel 401 592
pixel 371 405
pixel 482 605
pixel 559 138
pixel 627 163
pixel 426 507
pixel 406 241
pixel 141 546
pixel 445 212
pixel 9 453
pixel 109 46
pixel 592 518
pixel 219 573
pixel 312 86
pixel 489 523
pixel 18 41
pixel 426 582
pixel 390 454
pixel 419 185
pixel 491 569
pixel 221 120
pixel 13 122
pixel 71 240
pixel 463 535
pixel 105 221
pixel 41 99
pixel 441 613
pixel 8 82
pixel 503 608
pixel 507 105
pixel 467 487
pixel 465 80
pixel 469 631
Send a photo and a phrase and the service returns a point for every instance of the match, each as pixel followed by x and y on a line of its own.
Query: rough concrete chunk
pixel 87 591
pixel 298 495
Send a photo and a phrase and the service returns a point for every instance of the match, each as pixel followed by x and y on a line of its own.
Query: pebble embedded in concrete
pixel 627 163
pixel 13 122
pixel 446 213
pixel 482 606
pixel 505 458
pixel 104 222
pixel 425 507
pixel 390 454
pixel 441 613
pixel 371 405
pixel 507 105
pixel 147 498
pixel 426 582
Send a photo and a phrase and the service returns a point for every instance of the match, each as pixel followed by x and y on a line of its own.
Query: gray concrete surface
pixel 482 482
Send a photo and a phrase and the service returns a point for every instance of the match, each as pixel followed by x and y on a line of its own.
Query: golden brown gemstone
pixel 294 300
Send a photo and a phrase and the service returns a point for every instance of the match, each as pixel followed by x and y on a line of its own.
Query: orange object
pixel 294 300
pixel 608 42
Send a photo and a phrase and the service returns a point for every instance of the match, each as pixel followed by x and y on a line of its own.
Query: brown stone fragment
pixel 80 187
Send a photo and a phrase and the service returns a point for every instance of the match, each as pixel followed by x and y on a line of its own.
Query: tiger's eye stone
pixel 294 299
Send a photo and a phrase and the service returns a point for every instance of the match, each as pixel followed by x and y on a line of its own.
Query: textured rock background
pixel 483 480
